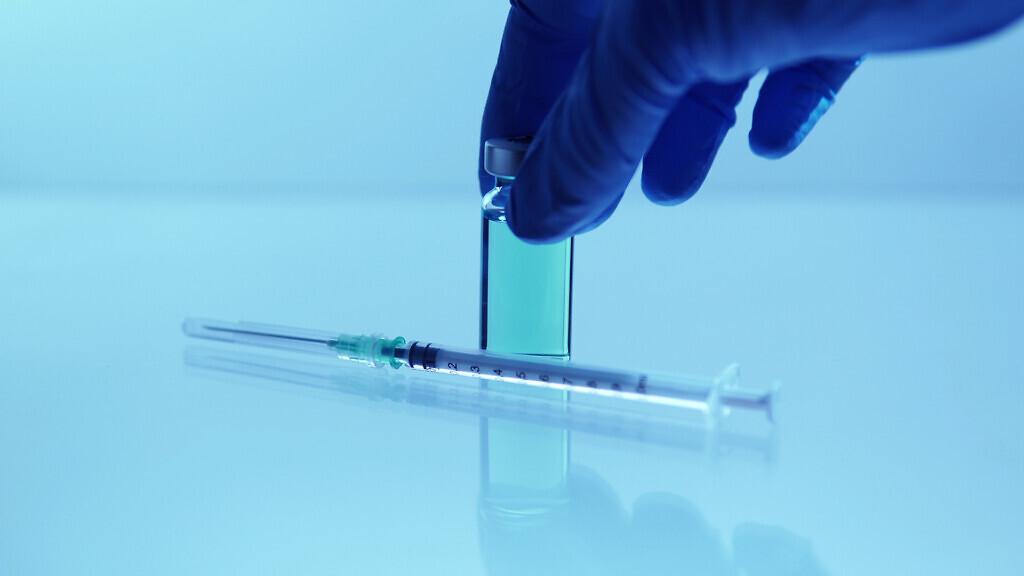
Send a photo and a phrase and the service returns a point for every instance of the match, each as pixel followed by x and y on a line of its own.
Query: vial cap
pixel 502 156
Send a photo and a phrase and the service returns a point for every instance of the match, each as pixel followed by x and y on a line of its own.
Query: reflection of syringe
pixel 711 395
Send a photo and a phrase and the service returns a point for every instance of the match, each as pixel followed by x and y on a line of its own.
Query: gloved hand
pixel 603 84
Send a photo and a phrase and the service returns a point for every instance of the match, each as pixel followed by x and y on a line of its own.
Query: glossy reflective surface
pixel 893 317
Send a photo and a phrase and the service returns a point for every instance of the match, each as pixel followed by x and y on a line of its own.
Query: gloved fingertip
pixel 771 146
pixel 530 232
pixel 535 226
pixel 668 193
pixel 554 222
pixel 679 159
pixel 777 139
pixel 792 101
pixel 600 219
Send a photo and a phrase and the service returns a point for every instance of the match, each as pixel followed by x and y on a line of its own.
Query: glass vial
pixel 525 308
pixel 525 289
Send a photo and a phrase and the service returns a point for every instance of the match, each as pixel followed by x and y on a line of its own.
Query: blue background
pixel 315 166
pixel 331 94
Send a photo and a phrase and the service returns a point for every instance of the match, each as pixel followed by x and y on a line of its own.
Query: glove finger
pixel 588 148
pixel 791 102
pixel 600 219
pixel 679 159
pixel 541 47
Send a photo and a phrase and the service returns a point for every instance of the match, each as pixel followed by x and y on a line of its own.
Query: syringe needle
pixel 265 335
pixel 325 342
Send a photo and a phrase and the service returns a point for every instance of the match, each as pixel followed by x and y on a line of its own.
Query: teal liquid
pixel 526 294
pixel 526 304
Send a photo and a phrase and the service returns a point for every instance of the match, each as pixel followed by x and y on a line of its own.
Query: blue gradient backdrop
pixel 321 93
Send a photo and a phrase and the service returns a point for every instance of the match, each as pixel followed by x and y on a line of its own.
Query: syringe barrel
pixel 556 375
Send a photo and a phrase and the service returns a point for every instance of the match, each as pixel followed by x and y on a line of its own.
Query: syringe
pixel 711 395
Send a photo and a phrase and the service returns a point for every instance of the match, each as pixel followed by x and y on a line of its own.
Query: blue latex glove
pixel 604 84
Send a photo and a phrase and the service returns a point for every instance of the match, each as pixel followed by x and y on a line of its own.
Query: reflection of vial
pixel 526 289
pixel 525 304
